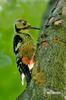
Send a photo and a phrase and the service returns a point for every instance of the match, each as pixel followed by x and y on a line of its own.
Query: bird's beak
pixel 32 27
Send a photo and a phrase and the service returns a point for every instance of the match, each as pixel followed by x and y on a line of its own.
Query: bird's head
pixel 22 26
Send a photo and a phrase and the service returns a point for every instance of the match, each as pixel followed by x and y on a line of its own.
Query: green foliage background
pixel 10 11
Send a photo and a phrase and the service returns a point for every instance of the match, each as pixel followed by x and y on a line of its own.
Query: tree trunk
pixel 48 75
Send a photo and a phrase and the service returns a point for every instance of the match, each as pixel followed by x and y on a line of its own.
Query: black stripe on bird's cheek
pixel 17 29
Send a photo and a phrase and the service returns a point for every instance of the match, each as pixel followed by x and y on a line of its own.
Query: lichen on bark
pixel 50 58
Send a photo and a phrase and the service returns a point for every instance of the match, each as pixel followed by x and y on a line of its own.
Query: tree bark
pixel 48 75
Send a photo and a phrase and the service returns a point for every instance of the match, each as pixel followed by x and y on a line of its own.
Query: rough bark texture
pixel 48 76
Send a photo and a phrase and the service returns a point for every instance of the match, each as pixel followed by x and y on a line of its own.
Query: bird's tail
pixel 24 71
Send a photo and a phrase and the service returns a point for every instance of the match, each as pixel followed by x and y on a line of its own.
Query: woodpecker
pixel 24 49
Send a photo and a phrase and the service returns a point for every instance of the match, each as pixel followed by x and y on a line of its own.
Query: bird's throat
pixel 24 31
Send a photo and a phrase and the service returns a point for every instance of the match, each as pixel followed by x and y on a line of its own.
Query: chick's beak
pixel 32 27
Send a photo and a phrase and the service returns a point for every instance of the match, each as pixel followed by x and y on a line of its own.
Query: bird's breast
pixel 27 50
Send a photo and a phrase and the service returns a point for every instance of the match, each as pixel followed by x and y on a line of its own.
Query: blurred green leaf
pixel 5 60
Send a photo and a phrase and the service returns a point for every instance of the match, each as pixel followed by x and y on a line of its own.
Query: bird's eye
pixel 24 23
